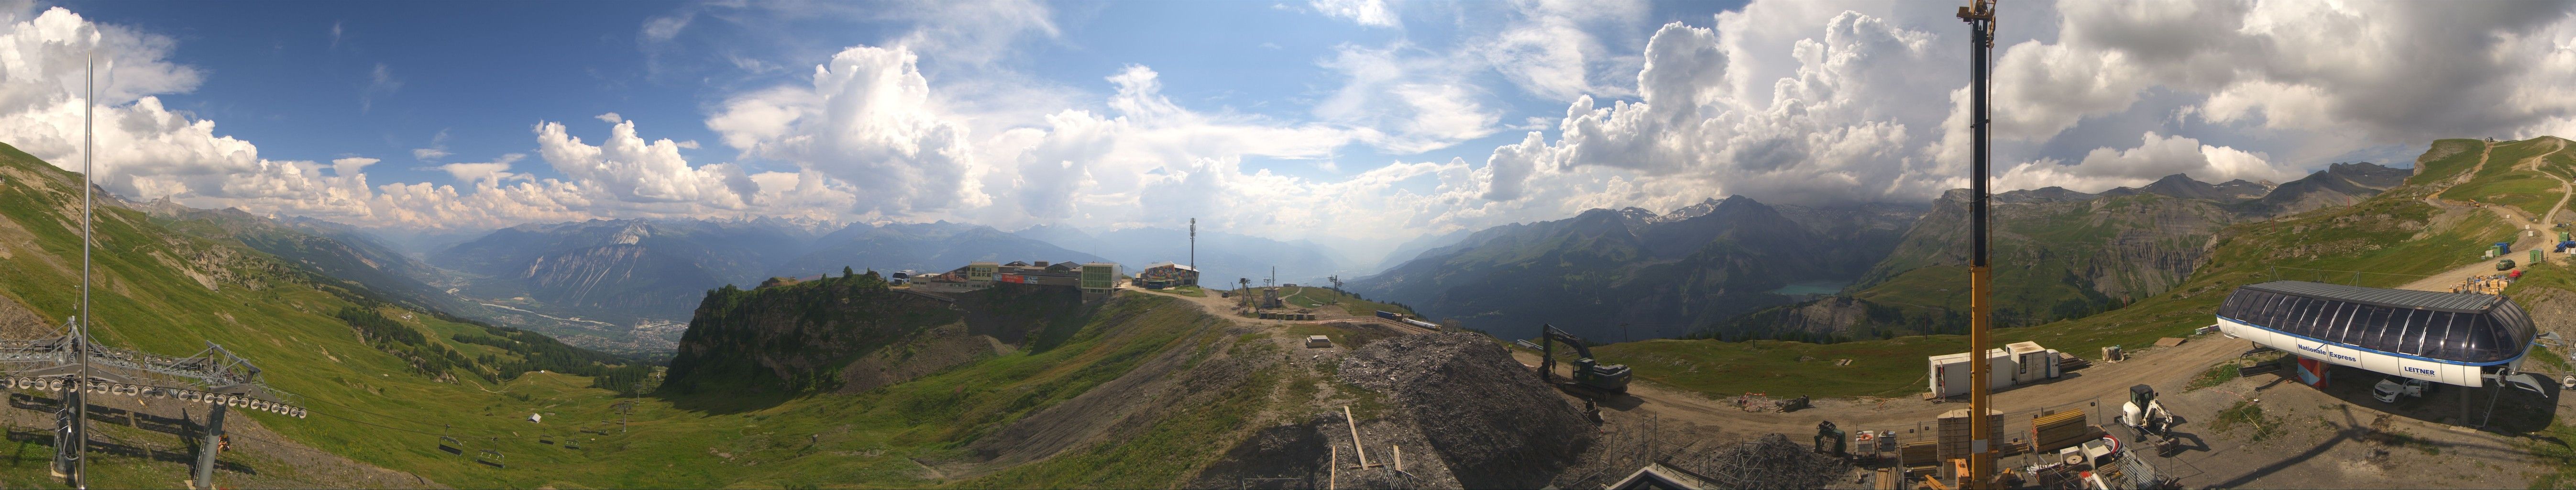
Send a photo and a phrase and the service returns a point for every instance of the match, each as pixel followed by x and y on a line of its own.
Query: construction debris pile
pixel 1494 422
pixel 2487 284
pixel 1772 462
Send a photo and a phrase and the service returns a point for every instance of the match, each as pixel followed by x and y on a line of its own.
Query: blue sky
pixel 301 78
pixel 1356 122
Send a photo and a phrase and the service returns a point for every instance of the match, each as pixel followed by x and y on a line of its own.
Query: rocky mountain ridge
pixel 1660 273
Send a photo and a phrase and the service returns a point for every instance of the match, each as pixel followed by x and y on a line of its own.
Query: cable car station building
pixel 2452 338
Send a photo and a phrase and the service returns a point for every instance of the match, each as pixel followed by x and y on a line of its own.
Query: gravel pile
pixel 1494 422
pixel 1772 462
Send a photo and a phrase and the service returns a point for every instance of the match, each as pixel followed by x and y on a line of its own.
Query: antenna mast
pixel 1194 244
pixel 78 448
pixel 1980 16
pixel 214 377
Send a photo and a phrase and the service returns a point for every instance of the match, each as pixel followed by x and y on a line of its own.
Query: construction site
pixel 2421 386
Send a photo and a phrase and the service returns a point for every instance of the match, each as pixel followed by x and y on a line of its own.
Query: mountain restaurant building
pixel 2452 338
pixel 1167 274
pixel 1099 279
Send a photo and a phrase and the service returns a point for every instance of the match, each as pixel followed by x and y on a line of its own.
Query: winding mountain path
pixel 2522 240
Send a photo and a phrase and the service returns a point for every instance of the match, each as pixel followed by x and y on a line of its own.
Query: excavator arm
pixel 1609 378
pixel 1560 336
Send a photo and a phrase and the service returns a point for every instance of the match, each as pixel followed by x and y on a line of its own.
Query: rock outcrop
pixel 854 333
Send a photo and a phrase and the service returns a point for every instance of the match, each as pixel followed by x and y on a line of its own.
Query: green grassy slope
pixel 377 408
pixel 2447 159
pixel 880 438
pixel 2387 234
pixel 1311 297
pixel 2052 260
pixel 2504 182
pixel 169 293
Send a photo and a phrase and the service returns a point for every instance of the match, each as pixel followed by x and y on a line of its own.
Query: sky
pixel 1348 122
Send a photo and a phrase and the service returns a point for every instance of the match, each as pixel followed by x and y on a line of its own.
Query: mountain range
pixel 2057 254
pixel 1222 257
pixel 1660 275
pixel 629 271
pixel 1737 268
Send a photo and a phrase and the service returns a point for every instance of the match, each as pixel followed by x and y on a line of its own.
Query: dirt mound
pixel 1494 422
pixel 1772 462
pixel 1318 453
pixel 1281 456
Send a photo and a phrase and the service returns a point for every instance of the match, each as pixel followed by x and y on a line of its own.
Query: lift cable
pixel 391 417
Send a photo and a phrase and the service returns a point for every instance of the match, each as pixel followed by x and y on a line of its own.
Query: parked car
pixel 2389 389
pixel 2506 264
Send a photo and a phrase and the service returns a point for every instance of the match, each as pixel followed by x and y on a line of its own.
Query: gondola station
pixel 2464 339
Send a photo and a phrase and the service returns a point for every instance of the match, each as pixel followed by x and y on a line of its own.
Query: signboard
pixel 1011 278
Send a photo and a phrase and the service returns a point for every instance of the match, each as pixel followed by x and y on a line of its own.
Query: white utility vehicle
pixel 2389 389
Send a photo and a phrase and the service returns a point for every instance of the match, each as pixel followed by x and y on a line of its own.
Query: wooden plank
pixel 2044 422
pixel 1917 453
pixel 1355 435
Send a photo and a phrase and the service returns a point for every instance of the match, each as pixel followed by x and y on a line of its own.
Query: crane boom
pixel 1980 16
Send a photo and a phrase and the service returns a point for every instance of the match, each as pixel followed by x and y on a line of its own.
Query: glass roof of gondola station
pixel 2458 328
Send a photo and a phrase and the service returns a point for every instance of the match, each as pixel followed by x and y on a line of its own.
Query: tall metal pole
pixel 80 337
pixel 214 443
pixel 1980 16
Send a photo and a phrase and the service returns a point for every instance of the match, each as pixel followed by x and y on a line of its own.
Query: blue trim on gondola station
pixel 2510 360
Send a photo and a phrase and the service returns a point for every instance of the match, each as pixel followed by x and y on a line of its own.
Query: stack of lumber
pixel 2069 362
pixel 2051 432
pixel 1919 453
pixel 1955 437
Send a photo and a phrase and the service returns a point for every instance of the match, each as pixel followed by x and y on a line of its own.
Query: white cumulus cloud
pixel 1362 12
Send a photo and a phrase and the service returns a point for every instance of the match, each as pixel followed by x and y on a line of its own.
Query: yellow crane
pixel 1980 16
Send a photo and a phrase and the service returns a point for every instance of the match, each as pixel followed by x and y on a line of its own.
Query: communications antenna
pixel 76 366
pixel 1980 16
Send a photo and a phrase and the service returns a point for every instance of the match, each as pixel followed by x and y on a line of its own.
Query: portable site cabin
pixel 2019 363
pixel 1950 373
pixel 1318 341
pixel 2454 338
pixel 2032 363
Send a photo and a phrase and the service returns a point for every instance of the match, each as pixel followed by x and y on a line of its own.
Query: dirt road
pixel 2522 241
pixel 2165 368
